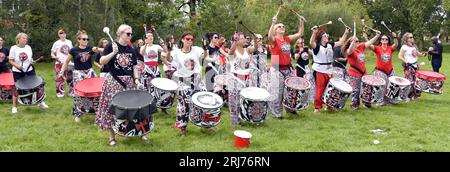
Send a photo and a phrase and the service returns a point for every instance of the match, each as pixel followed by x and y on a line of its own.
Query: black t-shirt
pixel 438 56
pixel 338 54
pixel 122 63
pixel 213 50
pixel 4 53
pixel 303 60
pixel 138 54
pixel 82 57
pixel 105 67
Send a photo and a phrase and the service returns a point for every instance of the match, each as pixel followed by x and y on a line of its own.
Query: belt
pixel 151 63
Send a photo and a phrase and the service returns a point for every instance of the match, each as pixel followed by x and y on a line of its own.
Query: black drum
pixel 133 111
pixel 30 90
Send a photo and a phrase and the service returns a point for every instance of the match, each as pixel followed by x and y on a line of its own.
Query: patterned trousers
pixel 276 88
pixel 59 80
pixel 410 74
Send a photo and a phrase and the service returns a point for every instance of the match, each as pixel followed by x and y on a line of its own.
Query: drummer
pixel 214 51
pixel 121 59
pixel 150 53
pixel 322 61
pixel 102 43
pixel 239 59
pixel 384 67
pixel 187 61
pixel 171 46
pixel 354 51
pixel 4 53
pixel 302 55
pixel 409 55
pixel 281 61
pixel 258 60
pixel 81 56
pixel 21 59
pixel 59 52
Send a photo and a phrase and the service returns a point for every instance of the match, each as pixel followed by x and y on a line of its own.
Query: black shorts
pixel 19 75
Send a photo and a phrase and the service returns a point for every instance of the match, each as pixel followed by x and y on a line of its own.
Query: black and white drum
pixel 372 89
pixel 336 93
pixel 30 90
pixel 398 88
pixel 296 93
pixel 253 105
pixel 133 111
pixel 206 109
pixel 164 90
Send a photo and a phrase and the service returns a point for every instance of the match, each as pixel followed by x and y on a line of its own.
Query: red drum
pixel 87 94
pixel 336 93
pixel 30 90
pixel 398 88
pixel 429 81
pixel 296 93
pixel 220 87
pixel 6 86
pixel 253 105
pixel 206 109
pixel 372 89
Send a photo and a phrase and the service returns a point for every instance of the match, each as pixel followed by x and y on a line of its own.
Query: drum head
pixel 373 80
pixel 132 99
pixel 255 93
pixel 207 100
pixel 90 87
pixel 298 83
pixel 430 75
pixel 6 81
pixel 164 84
pixel 29 82
pixel 341 85
pixel 399 81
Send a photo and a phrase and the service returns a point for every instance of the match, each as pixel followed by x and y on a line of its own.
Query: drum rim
pixel 148 132
pixel 131 108
pixel 421 74
pixel 7 75
pixel 407 81
pixel 341 81
pixel 176 74
pixel 40 85
pixel 378 78
pixel 257 88
pixel 292 77
pixel 196 102
pixel 164 79
pixel 77 91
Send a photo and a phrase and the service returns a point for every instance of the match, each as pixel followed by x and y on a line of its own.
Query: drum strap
pixel 27 69
pixel 118 80
pixel 322 63
pixel 357 69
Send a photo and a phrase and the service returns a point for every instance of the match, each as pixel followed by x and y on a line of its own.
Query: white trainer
pixel 43 105
pixel 14 110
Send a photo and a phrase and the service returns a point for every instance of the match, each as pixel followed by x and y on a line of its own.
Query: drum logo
pixel 23 56
pixel 361 57
pixel 385 57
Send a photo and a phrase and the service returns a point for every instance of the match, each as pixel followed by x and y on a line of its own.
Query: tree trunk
pixel 79 14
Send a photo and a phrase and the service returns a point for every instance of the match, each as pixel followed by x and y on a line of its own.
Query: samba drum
pixel 133 113
pixel 372 89
pixel 220 87
pixel 398 88
pixel 206 109
pixel 30 90
pixel 253 104
pixel 164 90
pixel 87 94
pixel 296 93
pixel 6 86
pixel 429 81
pixel 336 93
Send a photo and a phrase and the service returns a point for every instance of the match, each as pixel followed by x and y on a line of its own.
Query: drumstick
pixel 329 22
pixel 298 15
pixel 213 67
pixel 384 24
pixel 239 80
pixel 342 21
pixel 106 30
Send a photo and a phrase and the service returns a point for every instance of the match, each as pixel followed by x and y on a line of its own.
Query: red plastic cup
pixel 242 139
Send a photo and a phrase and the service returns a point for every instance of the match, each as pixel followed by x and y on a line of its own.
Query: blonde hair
pixel 120 30
pixel 78 35
pixel 405 39
pixel 20 35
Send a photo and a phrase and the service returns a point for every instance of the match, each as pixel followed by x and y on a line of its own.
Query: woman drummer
pixel 171 45
pixel 187 62
pixel 102 43
pixel 302 55
pixel 354 51
pixel 409 55
pixel 60 51
pixel 81 56
pixel 258 60
pixel 150 53
pixel 214 51
pixel 281 61
pixel 322 61
pixel 239 59
pixel 121 59
pixel 384 67
pixel 21 59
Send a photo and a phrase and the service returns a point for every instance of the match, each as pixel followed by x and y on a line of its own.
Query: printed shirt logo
pixel 329 53
pixel 123 61
pixel 415 53
pixel 361 57
pixel 189 64
pixel 84 57
pixel 2 57
pixel 23 56
pixel 64 49
pixel 385 57
pixel 152 55
pixel 285 47
pixel 304 56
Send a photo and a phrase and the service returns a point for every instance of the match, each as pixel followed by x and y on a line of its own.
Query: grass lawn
pixel 421 125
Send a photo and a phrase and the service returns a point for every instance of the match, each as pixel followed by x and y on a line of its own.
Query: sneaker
pixel 77 119
pixel 43 105
pixel 14 110
pixel 316 110
pixel 112 141
pixel 59 95
pixel 144 138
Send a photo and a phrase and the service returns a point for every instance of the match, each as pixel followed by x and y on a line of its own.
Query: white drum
pixel 206 109
pixel 164 90
pixel 336 93
pixel 253 105
pixel 398 88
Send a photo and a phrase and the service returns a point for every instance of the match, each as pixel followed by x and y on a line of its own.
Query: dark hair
pixel 209 36
pixel 180 44
pixel 346 46
pixel 169 44
pixel 389 40
pixel 319 35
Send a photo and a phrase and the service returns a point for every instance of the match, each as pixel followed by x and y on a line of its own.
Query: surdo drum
pixel 429 81
pixel 164 90
pixel 30 90
pixel 6 86
pixel 253 104
pixel 296 93
pixel 206 109
pixel 398 88
pixel 372 89
pixel 336 93
pixel 87 94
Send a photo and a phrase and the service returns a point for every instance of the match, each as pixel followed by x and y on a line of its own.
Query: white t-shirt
pixel 324 55
pixel 411 54
pixel 165 67
pixel 62 48
pixel 185 62
pixel 22 56
pixel 151 53
pixel 240 61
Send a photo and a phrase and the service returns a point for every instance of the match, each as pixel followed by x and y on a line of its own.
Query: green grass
pixel 422 125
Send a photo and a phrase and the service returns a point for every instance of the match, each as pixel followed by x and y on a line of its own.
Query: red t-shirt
pixel 384 58
pixel 281 52
pixel 357 60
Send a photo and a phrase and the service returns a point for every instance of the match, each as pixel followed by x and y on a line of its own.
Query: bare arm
pixel 401 55
pixel 312 41
pixel 13 63
pixel 352 47
pixel 299 34
pixel 66 63
pixel 343 38
pixel 271 33
pixel 394 36
pixel 375 38
pixel 106 58
pixel 53 54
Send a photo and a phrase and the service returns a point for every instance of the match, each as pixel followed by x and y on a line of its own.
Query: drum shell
pixel 334 97
pixel 295 98
pixel 203 116
pixel 31 96
pixel 248 108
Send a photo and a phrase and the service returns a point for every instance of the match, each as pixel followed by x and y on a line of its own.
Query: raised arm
pixel 372 41
pixel 344 37
pixel 106 58
pixel 312 41
pixel 301 29
pixel 352 47
pixel 394 36
pixel 271 33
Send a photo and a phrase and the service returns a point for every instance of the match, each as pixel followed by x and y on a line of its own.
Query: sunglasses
pixel 216 37
pixel 281 26
pixel 129 34
pixel 384 39
pixel 410 37
pixel 189 39
pixel 84 39
pixel 61 33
